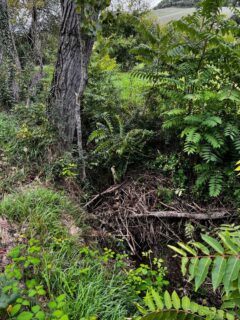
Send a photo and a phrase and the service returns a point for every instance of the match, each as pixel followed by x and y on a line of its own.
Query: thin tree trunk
pixel 36 44
pixel 8 52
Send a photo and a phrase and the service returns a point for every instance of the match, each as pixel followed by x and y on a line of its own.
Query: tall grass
pixel 40 210
pixel 92 289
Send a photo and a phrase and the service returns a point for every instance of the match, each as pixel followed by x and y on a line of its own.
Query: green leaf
pixel 187 248
pixel 52 305
pixel 178 250
pixel 149 302
pixel 229 244
pixel 231 273
pixel 201 247
pixel 25 316
pixel 184 265
pixel 193 268
pixel 15 309
pixel 202 271
pixel 61 298
pixel 213 243
pixel 219 267
pixel 186 303
pixel 176 300
pixel 167 300
pixel 35 309
pixel 157 299
pixel 194 307
pixel 40 315
pixel 58 313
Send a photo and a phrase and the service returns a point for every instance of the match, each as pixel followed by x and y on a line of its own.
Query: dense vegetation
pixel 119 161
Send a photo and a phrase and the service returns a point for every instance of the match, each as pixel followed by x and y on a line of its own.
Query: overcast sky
pixel 153 2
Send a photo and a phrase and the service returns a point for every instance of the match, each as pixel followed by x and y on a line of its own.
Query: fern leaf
pixel 215 184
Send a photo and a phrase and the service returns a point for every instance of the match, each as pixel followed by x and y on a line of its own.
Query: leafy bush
pixel 147 276
pixel 216 258
pixel 22 296
pixel 117 144
pixel 193 64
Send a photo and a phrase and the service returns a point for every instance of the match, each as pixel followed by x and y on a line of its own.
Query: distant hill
pixel 186 3
pixel 176 3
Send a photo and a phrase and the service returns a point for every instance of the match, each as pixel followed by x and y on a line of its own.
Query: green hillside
pixel 176 3
pixel 187 3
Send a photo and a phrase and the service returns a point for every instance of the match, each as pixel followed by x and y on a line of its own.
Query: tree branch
pixel 214 215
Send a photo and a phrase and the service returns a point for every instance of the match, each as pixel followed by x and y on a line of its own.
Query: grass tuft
pixel 40 210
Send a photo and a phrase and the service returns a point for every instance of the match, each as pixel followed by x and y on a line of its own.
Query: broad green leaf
pixel 187 248
pixel 186 303
pixel 194 307
pixel 202 271
pixel 61 298
pixel 40 315
pixel 15 309
pixel 176 300
pixel 178 250
pixel 184 265
pixel 231 273
pixel 213 243
pixel 219 267
pixel 167 300
pixel 25 316
pixel 35 309
pixel 229 244
pixel 193 268
pixel 201 247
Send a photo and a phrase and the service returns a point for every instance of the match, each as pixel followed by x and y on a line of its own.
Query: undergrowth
pixel 40 211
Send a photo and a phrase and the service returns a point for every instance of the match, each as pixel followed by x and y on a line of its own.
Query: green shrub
pixel 22 296
pixel 194 67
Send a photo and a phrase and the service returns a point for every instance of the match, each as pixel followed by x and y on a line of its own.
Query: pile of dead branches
pixel 136 210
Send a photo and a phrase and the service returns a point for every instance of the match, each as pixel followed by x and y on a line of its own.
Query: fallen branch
pixel 108 191
pixel 176 214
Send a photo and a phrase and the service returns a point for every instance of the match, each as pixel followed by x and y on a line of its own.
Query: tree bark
pixel 36 44
pixel 70 78
pixel 8 53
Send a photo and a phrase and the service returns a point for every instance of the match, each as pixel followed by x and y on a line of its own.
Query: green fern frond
pixel 215 184
pixel 213 140
pixel 207 154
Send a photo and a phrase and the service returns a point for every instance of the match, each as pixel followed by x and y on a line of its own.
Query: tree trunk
pixel 34 36
pixel 70 78
pixel 9 59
